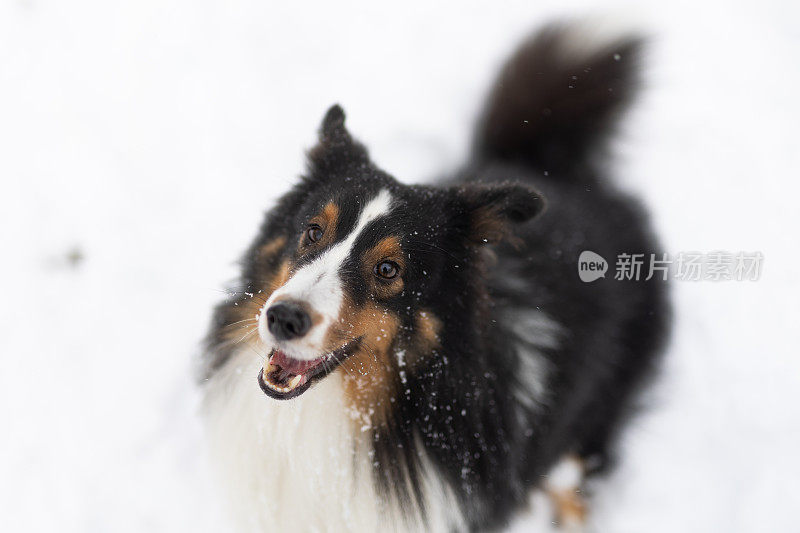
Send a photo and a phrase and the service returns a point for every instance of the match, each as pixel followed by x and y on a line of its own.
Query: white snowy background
pixel 148 137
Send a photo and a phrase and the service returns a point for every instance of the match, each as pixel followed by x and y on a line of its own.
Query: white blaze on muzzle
pixel 318 286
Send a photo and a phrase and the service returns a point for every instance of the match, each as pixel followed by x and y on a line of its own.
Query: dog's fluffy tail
pixel 556 102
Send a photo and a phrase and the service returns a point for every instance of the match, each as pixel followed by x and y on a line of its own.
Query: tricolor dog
pixel 423 357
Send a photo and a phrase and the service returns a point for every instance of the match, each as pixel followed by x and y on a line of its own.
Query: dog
pixel 423 357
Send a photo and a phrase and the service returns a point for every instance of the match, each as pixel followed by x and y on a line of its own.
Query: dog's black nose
pixel 287 320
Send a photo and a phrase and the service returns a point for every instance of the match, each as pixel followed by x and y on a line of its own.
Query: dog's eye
pixel 387 269
pixel 314 233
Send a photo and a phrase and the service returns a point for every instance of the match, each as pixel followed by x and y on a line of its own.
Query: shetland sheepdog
pixel 424 357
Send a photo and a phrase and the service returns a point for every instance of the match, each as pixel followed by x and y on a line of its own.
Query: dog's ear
pixel 488 213
pixel 336 148
pixel 332 128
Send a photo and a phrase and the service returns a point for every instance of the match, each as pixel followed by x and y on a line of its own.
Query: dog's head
pixel 356 273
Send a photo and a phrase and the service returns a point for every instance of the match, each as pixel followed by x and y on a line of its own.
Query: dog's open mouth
pixel 284 377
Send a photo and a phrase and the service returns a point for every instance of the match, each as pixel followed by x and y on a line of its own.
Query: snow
pixel 141 141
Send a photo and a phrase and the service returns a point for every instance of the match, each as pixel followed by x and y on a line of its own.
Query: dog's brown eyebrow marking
pixel 331 212
pixel 390 248
pixel 271 248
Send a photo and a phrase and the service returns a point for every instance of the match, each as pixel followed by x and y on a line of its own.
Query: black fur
pixel 540 141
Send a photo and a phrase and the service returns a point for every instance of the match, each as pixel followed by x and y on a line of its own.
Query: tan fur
pixel 425 337
pixel 368 373
pixel 428 327
pixel 569 507
pixel 269 250
pixel 490 226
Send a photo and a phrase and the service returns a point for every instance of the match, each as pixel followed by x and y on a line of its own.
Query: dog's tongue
pixel 288 364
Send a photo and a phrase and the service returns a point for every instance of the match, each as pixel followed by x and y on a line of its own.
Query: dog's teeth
pixel 295 381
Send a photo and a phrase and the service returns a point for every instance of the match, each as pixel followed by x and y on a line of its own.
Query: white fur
pixel 304 464
pixel 319 285
pixel 566 475
pixel 536 331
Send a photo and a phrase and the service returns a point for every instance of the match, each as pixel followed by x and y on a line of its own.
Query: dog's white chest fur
pixel 302 464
